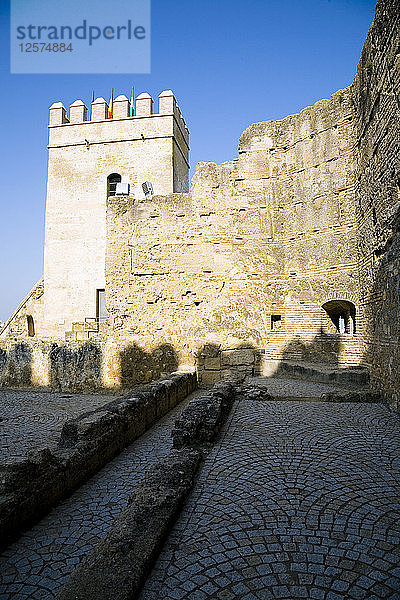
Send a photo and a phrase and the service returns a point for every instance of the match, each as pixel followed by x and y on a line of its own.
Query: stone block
pixel 209 377
pixel 116 568
pixel 213 364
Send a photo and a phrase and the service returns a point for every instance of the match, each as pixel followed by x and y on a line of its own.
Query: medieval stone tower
pixel 86 160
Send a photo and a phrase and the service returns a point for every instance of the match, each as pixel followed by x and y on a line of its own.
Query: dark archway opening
pixel 112 181
pixel 31 326
pixel 342 316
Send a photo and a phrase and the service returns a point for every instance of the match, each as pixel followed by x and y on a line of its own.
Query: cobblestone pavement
pixel 39 562
pixel 297 500
pixel 32 420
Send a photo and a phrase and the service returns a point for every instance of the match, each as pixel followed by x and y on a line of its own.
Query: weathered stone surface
pixel 376 94
pixel 245 261
pixel 357 376
pixel 31 486
pixel 200 422
pixel 361 396
pixel 118 566
pixel 254 392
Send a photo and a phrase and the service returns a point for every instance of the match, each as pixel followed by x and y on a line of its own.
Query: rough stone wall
pixel 17 328
pixel 82 366
pixel 72 367
pixel 376 92
pixel 271 233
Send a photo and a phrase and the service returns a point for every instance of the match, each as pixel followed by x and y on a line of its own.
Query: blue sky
pixel 229 62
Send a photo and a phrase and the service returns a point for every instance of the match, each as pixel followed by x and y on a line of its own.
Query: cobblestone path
pixel 33 420
pixel 39 562
pixel 298 500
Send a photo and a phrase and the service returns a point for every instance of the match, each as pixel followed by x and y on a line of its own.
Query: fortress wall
pixel 32 306
pixel 271 233
pixel 302 171
pixel 232 275
pixel 82 153
pixel 377 109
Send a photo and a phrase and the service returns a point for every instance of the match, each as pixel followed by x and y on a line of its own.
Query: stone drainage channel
pixel 295 500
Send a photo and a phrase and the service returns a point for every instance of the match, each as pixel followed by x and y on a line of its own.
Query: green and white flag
pixel 132 105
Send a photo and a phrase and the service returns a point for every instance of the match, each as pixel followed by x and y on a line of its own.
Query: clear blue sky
pixel 229 62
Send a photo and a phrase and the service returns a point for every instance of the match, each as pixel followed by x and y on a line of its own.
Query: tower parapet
pixel 164 130
pixel 77 112
pixel 58 114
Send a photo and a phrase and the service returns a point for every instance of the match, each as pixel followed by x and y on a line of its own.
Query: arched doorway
pixel 341 316
pixel 112 181
pixel 31 326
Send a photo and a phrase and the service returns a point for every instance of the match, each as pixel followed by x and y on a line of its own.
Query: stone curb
pixel 203 418
pixel 120 563
pixel 343 377
pixel 31 486
pixel 361 396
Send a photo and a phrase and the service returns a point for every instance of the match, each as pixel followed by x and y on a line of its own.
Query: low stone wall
pixel 362 396
pixel 350 377
pixel 215 363
pixel 31 486
pixel 201 421
pixel 119 564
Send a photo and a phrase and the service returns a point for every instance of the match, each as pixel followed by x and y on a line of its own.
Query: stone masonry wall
pixel 234 274
pixel 17 327
pixel 238 273
pixel 376 92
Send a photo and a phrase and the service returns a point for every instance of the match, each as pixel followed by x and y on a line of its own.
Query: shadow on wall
pixel 75 369
pixel 138 366
pixel 382 314
pixel 316 361
pixel 213 362
pixel 324 348
pixel 16 366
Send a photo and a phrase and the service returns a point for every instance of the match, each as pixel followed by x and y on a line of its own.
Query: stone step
pixel 349 377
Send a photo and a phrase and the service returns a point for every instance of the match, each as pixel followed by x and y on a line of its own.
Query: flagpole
pixel 111 104
pixel 132 103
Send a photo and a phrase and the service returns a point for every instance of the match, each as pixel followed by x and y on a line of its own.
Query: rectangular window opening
pixel 101 311
pixel 276 321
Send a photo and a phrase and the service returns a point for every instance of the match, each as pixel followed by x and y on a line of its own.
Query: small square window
pixel 276 321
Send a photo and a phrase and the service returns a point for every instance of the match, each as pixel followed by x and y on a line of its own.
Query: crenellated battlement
pixel 143 108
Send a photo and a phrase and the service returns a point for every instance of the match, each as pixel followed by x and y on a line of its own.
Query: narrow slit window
pixel 31 326
pixel 101 311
